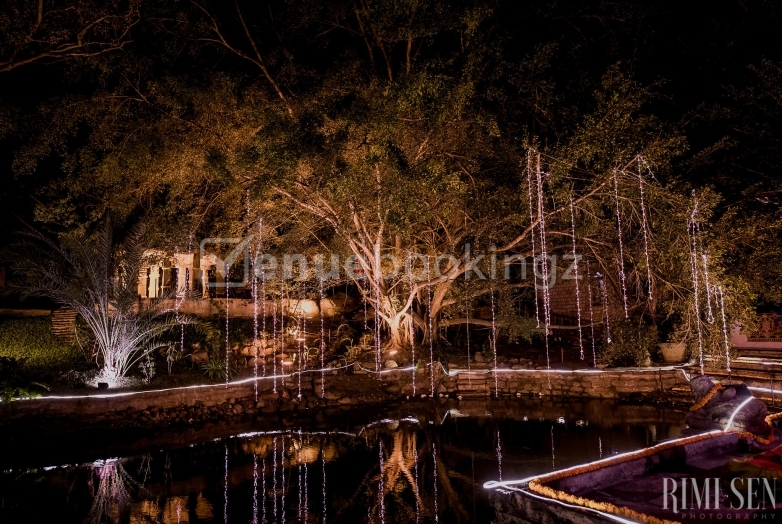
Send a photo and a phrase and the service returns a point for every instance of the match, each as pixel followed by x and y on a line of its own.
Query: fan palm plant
pixel 97 276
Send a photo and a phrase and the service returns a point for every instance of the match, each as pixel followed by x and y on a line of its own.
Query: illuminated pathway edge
pixel 452 373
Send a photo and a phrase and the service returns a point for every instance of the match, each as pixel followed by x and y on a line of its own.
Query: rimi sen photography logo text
pixel 709 499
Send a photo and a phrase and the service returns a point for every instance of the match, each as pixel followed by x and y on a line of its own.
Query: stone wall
pixel 594 384
pixel 217 402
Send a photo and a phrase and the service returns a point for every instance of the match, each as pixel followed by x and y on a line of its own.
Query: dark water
pixel 414 463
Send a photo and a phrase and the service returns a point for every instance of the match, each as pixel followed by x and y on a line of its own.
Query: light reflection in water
pixel 225 505
pixel 399 470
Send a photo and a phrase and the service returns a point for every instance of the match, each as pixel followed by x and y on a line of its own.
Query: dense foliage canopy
pixel 410 126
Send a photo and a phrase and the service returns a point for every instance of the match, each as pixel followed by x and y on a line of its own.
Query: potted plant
pixel 675 349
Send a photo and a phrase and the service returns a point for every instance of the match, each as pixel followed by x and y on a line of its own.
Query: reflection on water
pixel 422 467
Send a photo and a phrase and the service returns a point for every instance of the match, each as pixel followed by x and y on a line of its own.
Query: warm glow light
pixel 392 352
pixel 287 362
pixel 301 339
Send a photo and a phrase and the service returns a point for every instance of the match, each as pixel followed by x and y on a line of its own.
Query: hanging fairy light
pixel 621 246
pixel 575 265
pixel 532 231
pixel 412 349
pixel 544 257
pixel 431 337
pixel 724 329
pixel 263 297
pixel 254 289
pixel 494 345
pixel 300 327
pixel 645 230
pixel 322 346
pixel 591 315
pixel 468 336
pixel 709 289
pixel 692 228
pixel 377 306
pixel 604 295
pixel 227 344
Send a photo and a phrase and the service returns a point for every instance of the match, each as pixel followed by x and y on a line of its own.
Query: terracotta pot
pixel 673 351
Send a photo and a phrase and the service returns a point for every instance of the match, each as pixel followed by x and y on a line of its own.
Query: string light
pixel 494 345
pixel 377 306
pixel 709 312
pixel 645 229
pixel 322 346
pixel 274 343
pixel 605 307
pixel 499 455
pixel 431 339
pixel 578 293
pixel 725 329
pixel 621 246
pixel 591 315
pixel 227 343
pixel 693 229
pixel 532 232
pixel 544 256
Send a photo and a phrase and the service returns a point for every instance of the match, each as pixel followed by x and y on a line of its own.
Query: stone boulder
pixel 719 409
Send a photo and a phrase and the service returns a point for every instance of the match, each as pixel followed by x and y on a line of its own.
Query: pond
pixel 417 463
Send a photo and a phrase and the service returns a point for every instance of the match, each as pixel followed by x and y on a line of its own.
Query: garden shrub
pixel 631 344
pixel 30 341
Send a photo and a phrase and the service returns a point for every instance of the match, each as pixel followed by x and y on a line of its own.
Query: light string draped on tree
pixel 494 346
pixel 721 292
pixel 606 309
pixel 692 230
pixel 378 271
pixel 707 284
pixel 227 343
pixel 622 277
pixel 544 263
pixel 532 230
pixel 591 315
pixel 256 341
pixel 645 230
pixel 274 344
pixel 431 338
pixel 322 343
pixel 263 298
pixel 578 292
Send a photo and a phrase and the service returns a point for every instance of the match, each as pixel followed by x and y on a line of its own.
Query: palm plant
pixel 96 276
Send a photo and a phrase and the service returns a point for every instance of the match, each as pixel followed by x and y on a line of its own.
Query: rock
pixel 391 364
pixel 478 357
pixel 516 366
pixel 199 356
pixel 348 401
pixel 717 412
